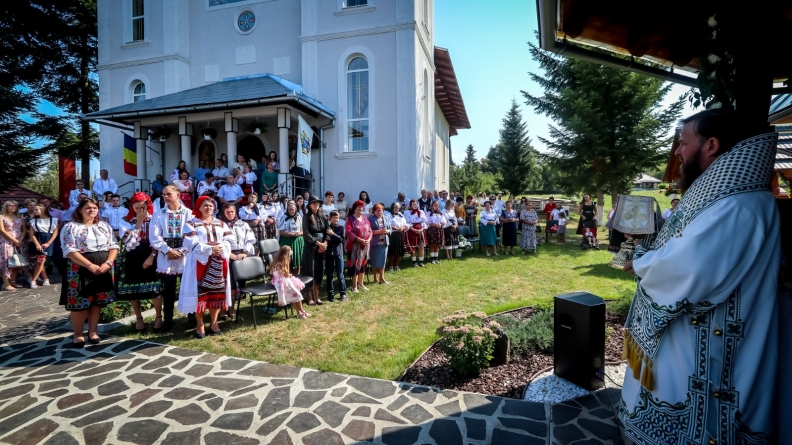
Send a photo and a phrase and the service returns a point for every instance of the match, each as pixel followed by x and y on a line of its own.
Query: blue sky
pixel 488 43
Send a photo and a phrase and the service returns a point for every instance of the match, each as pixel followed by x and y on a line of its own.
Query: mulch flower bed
pixel 433 368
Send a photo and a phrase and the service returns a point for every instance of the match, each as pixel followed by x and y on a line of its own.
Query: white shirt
pixel 169 224
pixel 554 213
pixel 221 173
pixel 203 187
pixel 487 216
pixel 112 215
pixel 242 238
pixel 250 178
pixel 562 222
pixel 328 208
pixel 450 216
pixel 666 214
pixel 248 214
pixel 75 193
pixel 420 218
pixel 45 225
pixel 398 221
pixel 104 185
pixel 230 192
pixel 437 218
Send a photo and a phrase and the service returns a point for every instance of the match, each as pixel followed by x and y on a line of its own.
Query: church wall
pixel 442 146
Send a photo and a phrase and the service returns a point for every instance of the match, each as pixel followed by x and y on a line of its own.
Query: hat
pixel 313 198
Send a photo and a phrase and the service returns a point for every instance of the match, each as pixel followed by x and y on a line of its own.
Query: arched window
pixel 139 92
pixel 358 105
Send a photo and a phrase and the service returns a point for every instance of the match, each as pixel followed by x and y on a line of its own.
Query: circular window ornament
pixel 246 22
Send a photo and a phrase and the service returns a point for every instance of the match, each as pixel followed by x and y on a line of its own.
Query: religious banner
pixel 130 155
pixel 304 133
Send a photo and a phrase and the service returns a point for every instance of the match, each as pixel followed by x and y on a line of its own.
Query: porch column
pixel 141 136
pixel 231 129
pixel 284 123
pixel 185 134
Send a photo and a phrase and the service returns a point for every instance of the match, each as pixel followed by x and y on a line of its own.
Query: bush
pixel 120 309
pixel 533 334
pixel 468 341
pixel 621 305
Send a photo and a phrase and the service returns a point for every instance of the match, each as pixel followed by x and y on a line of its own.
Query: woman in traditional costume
pixel 450 232
pixel 396 249
pixel 415 239
pixel 487 228
pixel 243 243
pixel 205 282
pixel 358 234
pixel 251 214
pixel 185 185
pixel 90 249
pixel 136 266
pixel 268 213
pixel 291 230
pixel 434 234
pixel 248 178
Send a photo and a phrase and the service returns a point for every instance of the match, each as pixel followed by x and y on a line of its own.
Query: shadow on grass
pixel 602 270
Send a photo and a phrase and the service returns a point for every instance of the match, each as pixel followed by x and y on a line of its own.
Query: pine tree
pixel 610 125
pixel 467 177
pixel 513 157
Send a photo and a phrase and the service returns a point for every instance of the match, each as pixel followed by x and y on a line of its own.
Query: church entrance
pixel 251 147
pixel 206 153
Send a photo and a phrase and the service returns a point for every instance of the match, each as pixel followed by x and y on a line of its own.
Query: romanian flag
pixel 130 156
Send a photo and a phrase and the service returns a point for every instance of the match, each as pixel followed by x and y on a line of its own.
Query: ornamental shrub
pixel 533 334
pixel 120 309
pixel 468 341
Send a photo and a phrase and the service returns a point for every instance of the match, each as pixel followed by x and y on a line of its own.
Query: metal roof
pixel 646 179
pixel 234 92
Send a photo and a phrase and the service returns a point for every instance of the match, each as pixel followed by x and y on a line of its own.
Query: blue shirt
pixel 158 186
pixel 200 173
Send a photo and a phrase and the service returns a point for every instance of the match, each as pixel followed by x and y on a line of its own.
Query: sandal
pixel 143 329
pixel 9 288
pixel 155 328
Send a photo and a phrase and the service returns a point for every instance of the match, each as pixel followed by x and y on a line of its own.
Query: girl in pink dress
pixel 289 288
pixel 10 239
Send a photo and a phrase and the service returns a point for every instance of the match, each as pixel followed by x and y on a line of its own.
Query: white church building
pixel 364 74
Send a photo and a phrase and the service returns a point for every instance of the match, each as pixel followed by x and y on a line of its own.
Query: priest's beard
pixel 689 171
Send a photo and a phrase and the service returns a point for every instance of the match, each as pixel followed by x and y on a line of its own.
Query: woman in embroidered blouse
pixel 91 249
pixel 508 219
pixel 280 209
pixel 166 233
pixel 342 207
pixel 174 176
pixel 185 185
pixel 450 232
pixel 251 214
pixel 358 233
pixel 243 243
pixel 528 218
pixel 415 239
pixel 471 212
pixel 397 239
pixel 364 196
pixel 136 268
pixel 291 227
pixel 314 233
pixel 248 178
pixel 434 234
pixel 378 249
pixel 10 239
pixel 488 219
pixel 205 283
pixel 268 213
pixel 42 231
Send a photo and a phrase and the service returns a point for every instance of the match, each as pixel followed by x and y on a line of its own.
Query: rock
pixel 199 370
pixel 401 435
pixel 398 403
pixel 271 425
pixel 142 432
pixel 282 382
pixel 181 352
pixel 153 409
pixel 360 430
pixel 135 363
pixel 276 401
pixel 100 416
pixel 379 389
pixel 332 413
pixel 270 370
pixel 182 393
pixel 191 437
pixel 62 438
pixel 171 381
pixel 563 414
pixel 84 409
pixel 445 432
pixel 209 358
pixel 124 345
pixel 233 364
pixel 223 383
pixel 362 411
pixel 567 433
pixel 221 438
pixel 114 387
pixel 31 434
pixel 191 414
pixel 416 414
pixel 94 372
pixel 503 437
pixel 56 368
pixel 476 428
pixel 150 349
pixel 234 421
pixel 602 430
pixel 424 394
pixel 530 410
pixel 56 393
pixel 529 426
pixel 17 420
pixel 75 399
pixel 215 403
pixel 338 392
pixel 49 386
pixel 303 422
pixel 484 405
pixel 143 378
pixel 142 396
pixel 381 414
pixel 17 406
pixel 359 398
pixel 282 438
pixel 450 409
pixel 323 437
pixel 248 401
pixel 306 399
pixel 96 434
pixel 247 390
pixel 321 380
pixel 16 391
pixel 91 382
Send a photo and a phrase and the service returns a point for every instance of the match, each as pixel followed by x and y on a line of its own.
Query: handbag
pixel 17 260
pixel 636 215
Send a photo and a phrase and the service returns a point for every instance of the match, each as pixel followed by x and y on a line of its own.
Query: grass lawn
pixel 380 332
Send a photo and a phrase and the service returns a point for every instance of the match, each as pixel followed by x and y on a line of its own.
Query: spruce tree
pixel 513 157
pixel 467 177
pixel 609 123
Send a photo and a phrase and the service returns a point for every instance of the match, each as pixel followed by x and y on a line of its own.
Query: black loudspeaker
pixel 579 339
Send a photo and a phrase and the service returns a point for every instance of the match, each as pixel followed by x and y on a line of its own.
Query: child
pixel 334 256
pixel 562 227
pixel 288 286
pixel 588 236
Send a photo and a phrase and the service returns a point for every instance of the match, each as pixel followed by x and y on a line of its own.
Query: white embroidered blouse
pixel 79 237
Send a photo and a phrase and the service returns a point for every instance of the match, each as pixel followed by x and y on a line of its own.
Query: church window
pixel 358 105
pixel 353 3
pixel 139 92
pixel 138 17
pixel 246 21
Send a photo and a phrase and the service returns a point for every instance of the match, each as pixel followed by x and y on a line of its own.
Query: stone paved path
pixel 30 312
pixel 129 391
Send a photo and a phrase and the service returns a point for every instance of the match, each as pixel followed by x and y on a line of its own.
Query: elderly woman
pixel 136 265
pixel 243 242
pixel 415 241
pixel 291 231
pixel 450 232
pixel 314 233
pixel 251 214
pixel 508 219
pixel 378 250
pixel 487 229
pixel 91 249
pixel 10 240
pixel 205 282
pixel 396 248
pixel 529 219
pixel 358 233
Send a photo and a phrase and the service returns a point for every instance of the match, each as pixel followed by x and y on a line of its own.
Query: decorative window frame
pixel 236 21
pixel 126 14
pixel 343 9
pixel 233 5
pixel 131 82
pixel 343 140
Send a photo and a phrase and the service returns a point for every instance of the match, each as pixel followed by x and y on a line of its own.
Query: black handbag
pixel 174 243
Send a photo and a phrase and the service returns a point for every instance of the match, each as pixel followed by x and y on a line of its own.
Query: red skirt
pixel 212 284
pixel 186 199
pixel 247 189
pixel 413 240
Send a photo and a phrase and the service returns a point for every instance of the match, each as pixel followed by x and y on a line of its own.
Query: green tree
pixel 513 158
pixel 609 123
pixel 46 181
pixel 467 177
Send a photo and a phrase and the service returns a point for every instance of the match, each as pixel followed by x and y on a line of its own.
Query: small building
pixel 646 182
pixel 19 194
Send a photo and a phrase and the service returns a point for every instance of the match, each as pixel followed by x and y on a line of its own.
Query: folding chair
pixel 465 232
pixel 252 268
pixel 267 249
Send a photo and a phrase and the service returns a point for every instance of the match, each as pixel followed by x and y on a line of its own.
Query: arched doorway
pixel 206 153
pixel 251 147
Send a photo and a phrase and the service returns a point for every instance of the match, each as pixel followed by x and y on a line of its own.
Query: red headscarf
pixel 195 211
pixel 358 203
pixel 139 197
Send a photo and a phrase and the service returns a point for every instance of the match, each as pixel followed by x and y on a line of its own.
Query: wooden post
pixel 67 177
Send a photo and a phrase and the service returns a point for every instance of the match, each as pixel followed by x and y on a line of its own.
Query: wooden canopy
pixel 447 93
